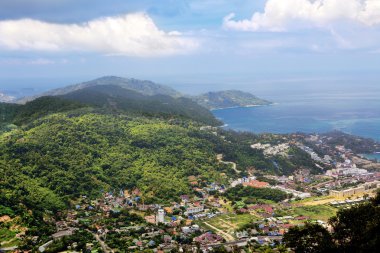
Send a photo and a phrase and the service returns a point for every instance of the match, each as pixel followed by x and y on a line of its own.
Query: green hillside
pixel 144 87
pixel 118 99
pixel 63 156
pixel 106 138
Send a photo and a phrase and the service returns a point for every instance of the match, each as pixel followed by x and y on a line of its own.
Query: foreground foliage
pixel 356 229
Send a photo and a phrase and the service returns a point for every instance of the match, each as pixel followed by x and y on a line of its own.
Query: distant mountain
pixel 116 98
pixel 228 98
pixel 142 86
pixel 6 98
pixel 135 87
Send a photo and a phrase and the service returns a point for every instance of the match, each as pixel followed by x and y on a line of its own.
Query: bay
pixel 372 156
pixel 355 113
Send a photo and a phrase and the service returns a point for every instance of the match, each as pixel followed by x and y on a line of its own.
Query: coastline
pixel 374 156
pixel 241 106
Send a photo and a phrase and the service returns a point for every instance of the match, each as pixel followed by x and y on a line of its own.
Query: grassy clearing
pixel 11 243
pixel 6 234
pixel 318 212
pixel 229 222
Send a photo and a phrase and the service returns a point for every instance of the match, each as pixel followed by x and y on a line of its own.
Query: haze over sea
pixel 351 106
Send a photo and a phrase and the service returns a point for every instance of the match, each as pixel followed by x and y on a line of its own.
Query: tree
pixel 356 229
pixel 311 238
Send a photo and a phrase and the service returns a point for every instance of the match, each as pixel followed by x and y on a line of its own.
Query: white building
pixel 194 209
pixel 161 216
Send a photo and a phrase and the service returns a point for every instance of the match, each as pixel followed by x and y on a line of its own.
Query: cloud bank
pixel 285 15
pixel 132 35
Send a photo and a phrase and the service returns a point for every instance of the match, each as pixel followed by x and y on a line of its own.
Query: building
pixel 358 190
pixel 256 184
pixel 160 216
pixel 150 219
pixel 59 235
pixel 194 209
pixel 208 238
pixel 348 192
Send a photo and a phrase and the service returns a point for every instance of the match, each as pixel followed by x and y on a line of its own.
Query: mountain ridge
pixel 117 98
pixel 142 86
pixel 210 100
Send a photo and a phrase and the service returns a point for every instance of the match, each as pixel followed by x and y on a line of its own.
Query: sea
pixel 372 156
pixel 353 108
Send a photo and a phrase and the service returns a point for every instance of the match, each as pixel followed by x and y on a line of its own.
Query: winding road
pixel 219 157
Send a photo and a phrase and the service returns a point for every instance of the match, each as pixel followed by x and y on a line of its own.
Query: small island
pixel 228 99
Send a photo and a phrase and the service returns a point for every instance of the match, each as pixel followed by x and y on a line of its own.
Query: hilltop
pixel 210 100
pixel 228 98
pixel 108 99
pixel 119 99
pixel 142 86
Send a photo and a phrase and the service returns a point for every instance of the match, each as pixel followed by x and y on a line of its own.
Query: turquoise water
pixel 372 156
pixel 354 113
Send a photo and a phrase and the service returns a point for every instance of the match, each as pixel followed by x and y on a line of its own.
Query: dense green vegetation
pixel 79 238
pixel 107 138
pixel 144 87
pixel 238 149
pixel 117 99
pixel 359 145
pixel 240 192
pixel 62 149
pixel 354 230
pixel 7 114
pixel 41 107
pixel 63 156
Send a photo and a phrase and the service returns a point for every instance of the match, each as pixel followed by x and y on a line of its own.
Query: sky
pixel 189 44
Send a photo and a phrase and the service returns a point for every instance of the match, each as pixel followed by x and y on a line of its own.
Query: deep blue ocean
pixel 355 111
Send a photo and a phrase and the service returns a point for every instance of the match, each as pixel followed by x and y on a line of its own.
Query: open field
pixel 317 212
pixel 227 223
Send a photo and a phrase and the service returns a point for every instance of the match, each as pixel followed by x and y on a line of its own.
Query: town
pixel 255 210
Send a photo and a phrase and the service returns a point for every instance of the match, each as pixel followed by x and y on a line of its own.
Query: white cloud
pixel 284 15
pixel 22 61
pixel 132 34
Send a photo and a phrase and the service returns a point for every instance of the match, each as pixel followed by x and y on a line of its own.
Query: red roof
pixel 256 184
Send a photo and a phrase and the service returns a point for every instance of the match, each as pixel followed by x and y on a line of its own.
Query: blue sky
pixel 197 43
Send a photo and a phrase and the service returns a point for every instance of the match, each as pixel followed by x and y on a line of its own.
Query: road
pixel 228 237
pixel 9 249
pixel 104 246
pixel 234 166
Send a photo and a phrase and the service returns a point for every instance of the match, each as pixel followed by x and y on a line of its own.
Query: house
pixel 186 230
pixel 256 184
pixel 61 234
pixel 136 192
pixel 208 238
pixel 185 198
pixel 194 209
pixel 5 218
pixel 150 219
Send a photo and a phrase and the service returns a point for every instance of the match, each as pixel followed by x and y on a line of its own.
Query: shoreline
pixel 244 106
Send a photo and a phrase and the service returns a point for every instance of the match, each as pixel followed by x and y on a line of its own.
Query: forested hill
pixel 110 99
pixel 117 98
pixel 62 156
pixel 210 100
pixel 228 98
pixel 141 86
